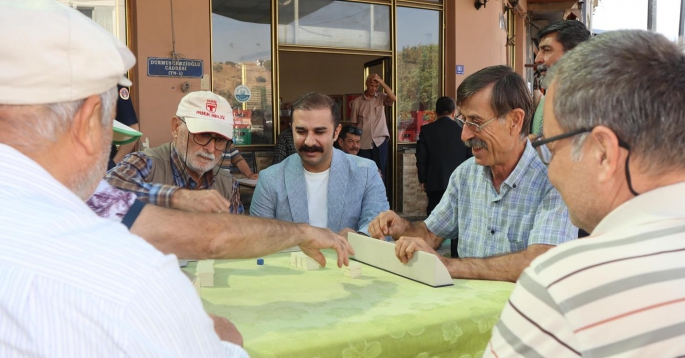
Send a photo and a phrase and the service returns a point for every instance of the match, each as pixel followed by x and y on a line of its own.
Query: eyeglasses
pixel 353 130
pixel 473 126
pixel 547 158
pixel 202 139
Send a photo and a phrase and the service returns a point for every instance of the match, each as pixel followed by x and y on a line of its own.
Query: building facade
pixel 263 54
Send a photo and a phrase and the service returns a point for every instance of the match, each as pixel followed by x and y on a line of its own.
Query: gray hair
pixel 32 125
pixel 631 81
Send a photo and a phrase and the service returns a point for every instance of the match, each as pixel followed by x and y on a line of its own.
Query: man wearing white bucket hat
pixel 74 284
pixel 184 173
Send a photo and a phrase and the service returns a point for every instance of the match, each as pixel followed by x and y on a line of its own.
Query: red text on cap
pixel 211 105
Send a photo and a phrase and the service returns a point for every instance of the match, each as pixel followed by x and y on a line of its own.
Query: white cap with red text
pixel 52 53
pixel 204 111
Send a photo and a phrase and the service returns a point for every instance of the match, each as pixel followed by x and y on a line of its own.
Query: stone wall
pixel 412 199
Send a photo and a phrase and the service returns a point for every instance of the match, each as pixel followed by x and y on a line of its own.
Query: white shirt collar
pixel 655 205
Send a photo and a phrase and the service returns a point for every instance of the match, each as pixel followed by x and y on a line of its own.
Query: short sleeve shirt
pixel 527 210
pixel 370 113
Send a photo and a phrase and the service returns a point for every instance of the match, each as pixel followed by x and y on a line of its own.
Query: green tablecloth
pixel 283 311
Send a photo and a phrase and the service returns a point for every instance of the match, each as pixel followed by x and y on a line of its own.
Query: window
pixel 110 14
pixel 418 70
pixel 331 23
pixel 241 57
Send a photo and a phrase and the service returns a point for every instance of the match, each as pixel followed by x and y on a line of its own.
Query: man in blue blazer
pixel 321 186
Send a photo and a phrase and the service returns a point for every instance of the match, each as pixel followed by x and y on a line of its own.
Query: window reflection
pixel 110 14
pixel 418 70
pixel 332 23
pixel 241 55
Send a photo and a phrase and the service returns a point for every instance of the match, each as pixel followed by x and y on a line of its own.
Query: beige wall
pixel 480 42
pixel 156 98
pixel 318 72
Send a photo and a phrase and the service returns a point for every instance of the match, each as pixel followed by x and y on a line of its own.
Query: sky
pixel 632 14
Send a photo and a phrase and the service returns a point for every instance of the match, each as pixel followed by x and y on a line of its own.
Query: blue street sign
pixel 167 67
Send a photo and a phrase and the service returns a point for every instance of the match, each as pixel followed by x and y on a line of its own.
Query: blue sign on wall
pixel 460 69
pixel 167 67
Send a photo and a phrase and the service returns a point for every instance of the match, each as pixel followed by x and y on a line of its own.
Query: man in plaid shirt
pixel 499 204
pixel 185 173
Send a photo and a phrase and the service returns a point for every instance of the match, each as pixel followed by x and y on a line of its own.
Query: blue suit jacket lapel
pixel 296 190
pixel 337 187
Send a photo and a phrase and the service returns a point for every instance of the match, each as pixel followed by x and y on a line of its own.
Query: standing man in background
pixel 555 40
pixel 439 151
pixel 368 114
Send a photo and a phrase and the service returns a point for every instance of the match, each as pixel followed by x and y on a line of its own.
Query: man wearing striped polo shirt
pixel 613 122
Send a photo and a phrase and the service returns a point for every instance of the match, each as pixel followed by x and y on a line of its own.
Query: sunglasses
pixel 353 130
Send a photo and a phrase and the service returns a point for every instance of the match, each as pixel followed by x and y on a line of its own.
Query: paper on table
pixel 291 249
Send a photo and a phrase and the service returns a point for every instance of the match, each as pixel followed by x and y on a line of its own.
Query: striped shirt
pixel 134 174
pixel 617 293
pixel 232 154
pixel 527 210
pixel 76 285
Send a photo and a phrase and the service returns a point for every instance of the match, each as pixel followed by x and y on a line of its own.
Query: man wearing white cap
pixel 184 174
pixel 75 284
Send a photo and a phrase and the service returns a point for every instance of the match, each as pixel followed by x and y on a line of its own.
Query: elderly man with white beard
pixel 499 204
pixel 185 173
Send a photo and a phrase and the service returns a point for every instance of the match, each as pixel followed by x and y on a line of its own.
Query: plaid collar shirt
pixel 527 210
pixel 134 174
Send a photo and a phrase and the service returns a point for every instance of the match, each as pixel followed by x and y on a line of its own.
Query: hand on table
pixel 387 223
pixel 226 330
pixel 203 201
pixel 253 176
pixel 318 238
pixel 406 246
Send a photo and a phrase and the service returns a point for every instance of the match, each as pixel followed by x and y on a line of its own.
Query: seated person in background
pixel 499 203
pixel 350 140
pixel 76 285
pixel 321 185
pixel 233 156
pixel 184 174
pixel 284 145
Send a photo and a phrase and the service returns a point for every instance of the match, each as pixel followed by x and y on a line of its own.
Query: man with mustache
pixel 321 186
pixel 368 113
pixel 350 140
pixel 614 120
pixel 499 203
pixel 555 40
pixel 184 174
